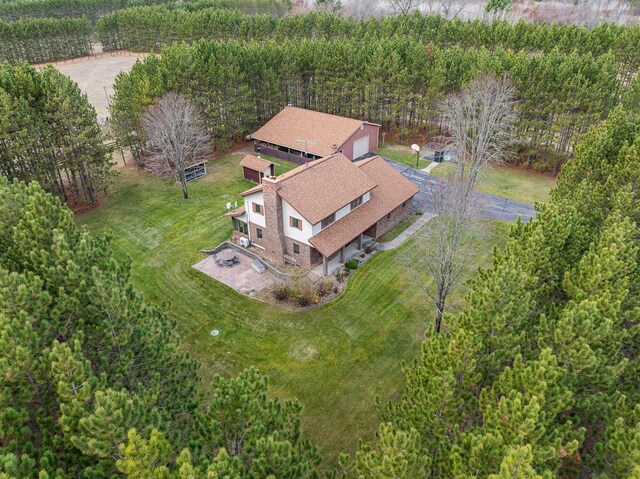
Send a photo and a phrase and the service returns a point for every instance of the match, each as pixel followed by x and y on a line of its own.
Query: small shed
pixel 255 168
pixel 195 171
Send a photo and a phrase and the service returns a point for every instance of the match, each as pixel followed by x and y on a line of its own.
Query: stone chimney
pixel 273 236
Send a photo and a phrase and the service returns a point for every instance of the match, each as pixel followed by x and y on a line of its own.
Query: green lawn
pixel 401 154
pixel 397 229
pixel 508 182
pixel 335 359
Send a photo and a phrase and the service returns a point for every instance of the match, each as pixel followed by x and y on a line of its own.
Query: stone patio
pixel 241 277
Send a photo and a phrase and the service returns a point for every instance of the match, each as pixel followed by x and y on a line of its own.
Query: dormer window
pixel 327 221
pixel 355 203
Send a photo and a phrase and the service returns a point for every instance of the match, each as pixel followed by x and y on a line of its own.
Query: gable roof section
pixel 237 212
pixel 322 187
pixel 393 189
pixel 323 130
pixel 255 163
pixel 255 189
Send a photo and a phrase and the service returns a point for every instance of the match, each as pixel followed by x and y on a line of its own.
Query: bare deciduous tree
pixel 447 8
pixel 480 121
pixel 405 6
pixel 176 137
pixel 362 9
pixel 444 247
pixel 331 6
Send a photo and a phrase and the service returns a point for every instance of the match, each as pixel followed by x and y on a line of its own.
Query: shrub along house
pixel 300 135
pixel 313 213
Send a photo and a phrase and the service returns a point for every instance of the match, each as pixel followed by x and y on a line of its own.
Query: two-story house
pixel 312 213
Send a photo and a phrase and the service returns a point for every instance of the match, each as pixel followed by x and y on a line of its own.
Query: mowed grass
pixel 508 182
pixel 397 229
pixel 335 359
pixel 402 154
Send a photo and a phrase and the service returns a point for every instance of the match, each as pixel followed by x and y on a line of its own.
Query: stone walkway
pixel 402 237
pixel 431 166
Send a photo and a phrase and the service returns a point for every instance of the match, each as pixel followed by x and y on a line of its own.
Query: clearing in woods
pixel 96 74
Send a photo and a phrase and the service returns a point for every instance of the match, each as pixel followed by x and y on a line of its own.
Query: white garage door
pixel 360 147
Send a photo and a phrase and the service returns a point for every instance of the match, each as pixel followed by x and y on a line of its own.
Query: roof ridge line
pixel 303 167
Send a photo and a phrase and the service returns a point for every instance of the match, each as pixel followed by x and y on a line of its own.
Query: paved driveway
pixel 489 207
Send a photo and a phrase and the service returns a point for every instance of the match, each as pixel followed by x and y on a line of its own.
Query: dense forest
pixel 45 39
pixel 49 30
pixel 397 82
pixel 94 9
pixel 535 378
pixel 48 133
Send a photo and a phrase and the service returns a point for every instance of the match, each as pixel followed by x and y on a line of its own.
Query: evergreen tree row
pixel 44 40
pixel 91 9
pixel 538 376
pixel 94 9
pixel 143 28
pixel 95 383
pixel 49 134
pixel 398 83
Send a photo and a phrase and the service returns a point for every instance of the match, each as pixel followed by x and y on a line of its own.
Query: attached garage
pixel 360 147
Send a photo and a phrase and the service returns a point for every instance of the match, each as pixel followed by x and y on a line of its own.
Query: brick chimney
pixel 273 236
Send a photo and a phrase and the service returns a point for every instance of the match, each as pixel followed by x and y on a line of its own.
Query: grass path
pixel 335 359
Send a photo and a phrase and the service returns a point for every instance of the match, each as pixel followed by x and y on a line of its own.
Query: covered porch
pixel 331 263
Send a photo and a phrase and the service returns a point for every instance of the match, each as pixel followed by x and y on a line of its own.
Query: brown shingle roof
pixel 393 189
pixel 321 129
pixel 255 189
pixel 319 188
pixel 237 212
pixel 255 163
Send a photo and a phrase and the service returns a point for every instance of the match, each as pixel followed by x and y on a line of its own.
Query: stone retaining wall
pixel 227 244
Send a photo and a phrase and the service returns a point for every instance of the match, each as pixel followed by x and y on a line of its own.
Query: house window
pixel 295 223
pixel 296 248
pixel 240 226
pixel 388 215
pixel 404 204
pixel 259 233
pixel 328 220
pixel 357 202
pixel 258 208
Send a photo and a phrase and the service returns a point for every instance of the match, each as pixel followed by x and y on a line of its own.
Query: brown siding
pixel 308 257
pixel 250 174
pixel 282 155
pixel 236 235
pixel 397 215
pixel 371 130
pixel 254 234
